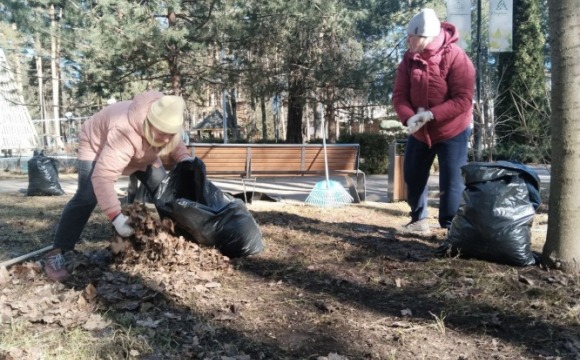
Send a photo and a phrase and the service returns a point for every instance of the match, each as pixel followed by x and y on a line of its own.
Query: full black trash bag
pixel 43 176
pixel 495 218
pixel 210 216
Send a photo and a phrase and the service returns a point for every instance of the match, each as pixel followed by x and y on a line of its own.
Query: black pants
pixel 452 155
pixel 77 211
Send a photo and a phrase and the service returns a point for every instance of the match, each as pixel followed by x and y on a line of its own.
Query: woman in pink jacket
pixel 124 138
pixel 433 96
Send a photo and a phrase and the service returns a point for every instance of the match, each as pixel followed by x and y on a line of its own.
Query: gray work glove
pixel 417 121
pixel 121 224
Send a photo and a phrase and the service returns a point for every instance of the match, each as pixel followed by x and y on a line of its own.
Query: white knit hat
pixel 424 24
pixel 166 114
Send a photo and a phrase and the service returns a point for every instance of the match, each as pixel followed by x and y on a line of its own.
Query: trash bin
pixel 397 187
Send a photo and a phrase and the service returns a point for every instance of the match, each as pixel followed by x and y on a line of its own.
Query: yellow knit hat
pixel 166 114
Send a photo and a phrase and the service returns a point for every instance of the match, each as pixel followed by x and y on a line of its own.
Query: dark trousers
pixel 77 211
pixel 452 155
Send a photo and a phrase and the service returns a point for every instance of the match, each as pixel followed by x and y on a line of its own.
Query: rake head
pixel 329 194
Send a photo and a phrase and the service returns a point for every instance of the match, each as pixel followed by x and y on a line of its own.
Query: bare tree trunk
pixel 18 67
pixel 172 58
pixel 233 113
pixel 562 248
pixel 306 126
pixel 45 125
pixel 331 123
pixel 264 122
pixel 54 77
pixel 331 116
pixel 295 111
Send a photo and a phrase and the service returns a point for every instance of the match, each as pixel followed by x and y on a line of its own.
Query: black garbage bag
pixel 210 216
pixel 495 218
pixel 43 176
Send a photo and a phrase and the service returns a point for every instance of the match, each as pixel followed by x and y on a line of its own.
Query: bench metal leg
pixel 358 191
pixel 252 180
pixel 352 189
pixel 361 182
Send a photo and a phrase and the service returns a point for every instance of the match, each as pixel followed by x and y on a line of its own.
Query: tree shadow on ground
pixel 378 239
pixel 466 312
pixel 462 314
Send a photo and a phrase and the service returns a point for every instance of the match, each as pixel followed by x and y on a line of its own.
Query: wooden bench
pixel 250 161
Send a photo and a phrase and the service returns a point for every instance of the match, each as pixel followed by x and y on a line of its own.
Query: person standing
pixel 124 138
pixel 433 97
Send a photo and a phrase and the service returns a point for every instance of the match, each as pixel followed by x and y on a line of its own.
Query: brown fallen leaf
pixel 225 317
pixel 90 292
pixel 401 324
pixel 96 322
pixel 148 323
pixel 118 245
pixel 321 305
pixel 525 280
pixel 332 356
pixel 4 276
pixel 406 312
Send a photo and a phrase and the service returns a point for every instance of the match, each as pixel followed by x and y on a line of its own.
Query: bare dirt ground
pixel 331 284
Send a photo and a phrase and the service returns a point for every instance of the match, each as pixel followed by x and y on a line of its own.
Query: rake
pixel 328 193
pixel 7 263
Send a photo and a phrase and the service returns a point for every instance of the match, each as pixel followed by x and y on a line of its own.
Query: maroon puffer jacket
pixel 440 79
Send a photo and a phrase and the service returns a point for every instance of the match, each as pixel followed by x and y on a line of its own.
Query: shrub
pixel 374 149
pixel 521 153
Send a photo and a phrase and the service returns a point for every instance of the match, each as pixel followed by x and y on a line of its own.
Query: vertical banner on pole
pixel 459 14
pixel 500 25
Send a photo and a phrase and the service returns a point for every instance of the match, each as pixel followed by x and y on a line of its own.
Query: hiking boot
pixel 420 227
pixel 53 264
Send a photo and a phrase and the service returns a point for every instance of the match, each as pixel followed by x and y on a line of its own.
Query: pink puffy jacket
pixel 113 137
pixel 441 79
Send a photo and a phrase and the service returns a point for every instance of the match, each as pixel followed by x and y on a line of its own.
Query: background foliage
pixel 334 55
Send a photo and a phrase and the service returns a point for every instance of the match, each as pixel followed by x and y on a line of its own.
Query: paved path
pixel 288 188
pixel 291 189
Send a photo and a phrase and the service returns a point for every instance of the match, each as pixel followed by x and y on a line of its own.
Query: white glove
pixel 417 121
pixel 121 224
